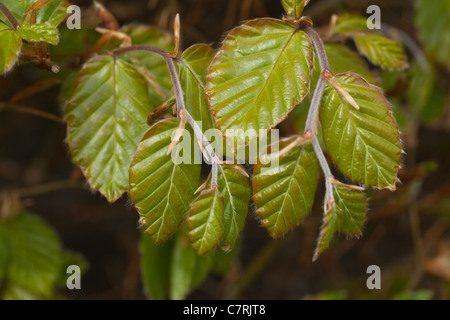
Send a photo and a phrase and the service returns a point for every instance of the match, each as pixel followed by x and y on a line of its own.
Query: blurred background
pixel 407 233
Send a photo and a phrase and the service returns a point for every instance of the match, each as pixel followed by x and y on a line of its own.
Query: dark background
pixel 404 235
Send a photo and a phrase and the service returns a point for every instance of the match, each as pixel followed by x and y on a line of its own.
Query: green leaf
pixel 349 23
pixel 285 193
pixel 17 8
pixel 205 221
pixel 106 117
pixel 261 72
pixel 347 215
pixel 39 32
pixel 425 97
pixel 54 12
pixel 235 189
pixel 343 60
pixel 141 34
pixel 433 21
pixel 381 51
pixel 188 269
pixel 34 254
pixel 365 143
pixel 155 266
pixel 294 8
pixel 193 79
pixel 10 49
pixel 161 189
pixel 172 269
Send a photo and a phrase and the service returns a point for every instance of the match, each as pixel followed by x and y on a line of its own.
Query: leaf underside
pixel 365 143
pixel 284 195
pixel 106 118
pixel 261 72
pixel 160 189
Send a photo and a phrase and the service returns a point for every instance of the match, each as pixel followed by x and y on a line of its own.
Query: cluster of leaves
pixel 28 29
pixel 264 69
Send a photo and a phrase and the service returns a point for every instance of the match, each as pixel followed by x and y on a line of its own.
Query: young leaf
pixel 10 49
pixel 205 221
pixel 284 194
pixel 347 215
pixel 294 8
pixel 433 21
pixel 39 32
pixel 235 189
pixel 106 117
pixel 188 269
pixel 260 73
pixel 193 79
pixel 161 189
pixel 34 254
pixel 348 23
pixel 381 51
pixel 365 143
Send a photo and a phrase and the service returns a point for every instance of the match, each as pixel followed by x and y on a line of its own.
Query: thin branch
pixel 178 91
pixel 141 47
pixel 314 111
pixel 315 105
pixel 325 168
pixel 39 113
pixel 49 187
pixel 9 16
pixel 320 49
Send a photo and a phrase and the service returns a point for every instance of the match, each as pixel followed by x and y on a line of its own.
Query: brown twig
pixel 27 110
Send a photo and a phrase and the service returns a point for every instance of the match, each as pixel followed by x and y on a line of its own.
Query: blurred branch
pixel 49 187
pixel 13 107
